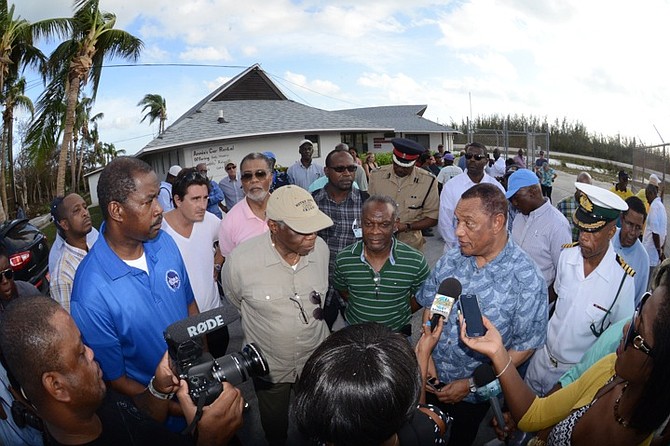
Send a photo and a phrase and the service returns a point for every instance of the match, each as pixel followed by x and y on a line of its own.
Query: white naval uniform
pixel 581 301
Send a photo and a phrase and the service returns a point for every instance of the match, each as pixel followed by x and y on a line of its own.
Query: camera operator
pixel 61 379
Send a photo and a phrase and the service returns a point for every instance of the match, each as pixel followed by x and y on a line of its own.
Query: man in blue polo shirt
pixel 133 282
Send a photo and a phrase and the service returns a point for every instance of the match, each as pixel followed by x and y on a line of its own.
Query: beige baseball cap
pixel 295 206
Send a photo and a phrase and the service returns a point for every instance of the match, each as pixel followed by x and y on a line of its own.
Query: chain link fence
pixel 509 142
pixel 649 160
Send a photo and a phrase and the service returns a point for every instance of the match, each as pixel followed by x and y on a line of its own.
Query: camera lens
pixel 236 368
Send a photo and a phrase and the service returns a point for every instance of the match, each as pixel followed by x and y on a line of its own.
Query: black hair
pixel 29 342
pixel 383 199
pixel 358 387
pixel 636 205
pixel 492 198
pixel 424 157
pixel 186 178
pixel 652 189
pixel 653 407
pixel 334 151
pixel 258 156
pixel 117 181
pixel 57 214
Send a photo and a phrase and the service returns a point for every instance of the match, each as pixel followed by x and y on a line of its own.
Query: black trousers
pixel 467 418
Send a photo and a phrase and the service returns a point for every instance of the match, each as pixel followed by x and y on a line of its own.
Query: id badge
pixel 357 230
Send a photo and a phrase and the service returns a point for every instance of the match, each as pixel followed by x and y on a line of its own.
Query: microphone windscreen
pixel 483 375
pixel 450 287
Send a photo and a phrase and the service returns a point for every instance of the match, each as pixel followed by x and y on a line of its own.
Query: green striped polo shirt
pixel 383 298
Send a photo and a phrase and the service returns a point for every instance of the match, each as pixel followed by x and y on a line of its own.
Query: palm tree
pixel 91 38
pixel 157 110
pixel 110 152
pixel 14 97
pixel 16 44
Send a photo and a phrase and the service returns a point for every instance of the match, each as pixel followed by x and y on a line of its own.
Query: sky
pixel 603 63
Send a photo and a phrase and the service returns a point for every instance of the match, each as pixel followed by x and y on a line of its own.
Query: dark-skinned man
pixel 538 228
pixel 342 203
pixel 414 190
pixel 133 283
pixel 476 162
pixel 73 223
pixel 594 288
pixel 58 374
pixel 627 243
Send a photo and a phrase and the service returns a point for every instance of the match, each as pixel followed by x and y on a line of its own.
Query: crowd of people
pixel 325 266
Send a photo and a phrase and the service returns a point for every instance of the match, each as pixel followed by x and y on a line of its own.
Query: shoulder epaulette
pixel 626 267
pixel 570 245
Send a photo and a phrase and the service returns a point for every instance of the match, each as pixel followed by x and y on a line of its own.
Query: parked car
pixel 28 251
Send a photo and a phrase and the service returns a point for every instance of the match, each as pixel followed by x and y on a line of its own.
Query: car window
pixel 20 236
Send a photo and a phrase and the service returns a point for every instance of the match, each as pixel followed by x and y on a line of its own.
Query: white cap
pixel 174 170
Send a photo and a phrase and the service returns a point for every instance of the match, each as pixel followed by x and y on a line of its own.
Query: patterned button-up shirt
pixel 512 293
pixel 568 206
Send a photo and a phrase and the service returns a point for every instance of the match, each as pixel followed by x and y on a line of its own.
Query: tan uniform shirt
pixel 260 284
pixel 409 193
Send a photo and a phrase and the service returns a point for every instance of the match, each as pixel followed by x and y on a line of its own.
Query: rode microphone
pixel 485 380
pixel 197 325
pixel 444 301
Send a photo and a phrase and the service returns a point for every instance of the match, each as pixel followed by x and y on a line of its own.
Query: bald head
pixel 584 177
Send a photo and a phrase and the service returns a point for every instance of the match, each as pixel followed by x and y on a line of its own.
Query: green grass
pixel 96 219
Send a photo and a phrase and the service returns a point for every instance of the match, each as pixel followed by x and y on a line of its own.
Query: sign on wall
pixel 216 158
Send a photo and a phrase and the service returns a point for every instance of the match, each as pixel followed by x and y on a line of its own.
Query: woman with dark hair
pixel 621 400
pixel 362 386
pixel 370 164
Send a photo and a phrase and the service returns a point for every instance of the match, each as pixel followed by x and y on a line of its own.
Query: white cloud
pixel 204 54
pixel 316 85
pixel 216 83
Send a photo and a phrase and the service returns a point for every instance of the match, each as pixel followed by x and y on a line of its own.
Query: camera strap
pixel 191 429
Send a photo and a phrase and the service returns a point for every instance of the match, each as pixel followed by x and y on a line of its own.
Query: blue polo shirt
pixel 122 312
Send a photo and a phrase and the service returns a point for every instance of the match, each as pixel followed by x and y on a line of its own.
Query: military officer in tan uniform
pixel 415 191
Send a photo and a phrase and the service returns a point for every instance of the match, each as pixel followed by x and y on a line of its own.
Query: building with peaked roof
pixel 249 113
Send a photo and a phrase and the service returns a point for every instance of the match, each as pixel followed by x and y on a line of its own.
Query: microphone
pixel 444 301
pixel 197 325
pixel 489 387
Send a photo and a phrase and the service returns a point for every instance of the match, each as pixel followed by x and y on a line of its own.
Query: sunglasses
pixel 259 174
pixel 231 167
pixel 315 298
pixel 469 156
pixel 632 336
pixel 340 169
pixel 194 175
pixel 7 274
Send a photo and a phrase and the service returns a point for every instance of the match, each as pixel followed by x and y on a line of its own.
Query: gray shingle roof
pixel 403 118
pixel 255 117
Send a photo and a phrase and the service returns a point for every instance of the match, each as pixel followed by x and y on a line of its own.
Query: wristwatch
pixel 408 227
pixel 471 384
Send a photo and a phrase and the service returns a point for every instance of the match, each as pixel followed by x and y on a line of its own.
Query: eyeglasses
pixel 632 336
pixel 315 298
pixel 259 174
pixel 340 169
pixel 478 157
pixel 231 167
pixel 376 278
pixel 8 274
pixel 191 176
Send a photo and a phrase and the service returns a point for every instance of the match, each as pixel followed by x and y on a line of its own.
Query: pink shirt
pixel 238 225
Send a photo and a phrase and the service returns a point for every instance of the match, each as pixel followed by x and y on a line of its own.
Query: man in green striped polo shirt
pixel 379 275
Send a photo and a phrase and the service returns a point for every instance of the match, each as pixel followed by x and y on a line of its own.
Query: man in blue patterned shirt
pixel 511 291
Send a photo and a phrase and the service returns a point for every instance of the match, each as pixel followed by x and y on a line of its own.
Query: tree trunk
pixel 72 96
pixel 10 158
pixel 73 162
pixel 3 167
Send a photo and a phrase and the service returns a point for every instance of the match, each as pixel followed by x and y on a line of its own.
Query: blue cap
pixel 270 155
pixel 520 178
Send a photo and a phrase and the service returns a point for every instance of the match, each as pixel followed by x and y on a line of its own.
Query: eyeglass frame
pixel 476 156
pixel 314 298
pixel 248 176
pixel 340 169
pixel 8 274
pixel 632 336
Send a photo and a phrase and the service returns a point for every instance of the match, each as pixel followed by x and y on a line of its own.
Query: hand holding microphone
pixel 488 387
pixel 444 301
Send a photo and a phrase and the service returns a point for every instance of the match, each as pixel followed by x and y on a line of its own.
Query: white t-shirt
pixel 198 254
pixel 657 223
pixel 447 173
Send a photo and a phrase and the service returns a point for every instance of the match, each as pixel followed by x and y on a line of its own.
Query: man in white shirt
pixel 656 230
pixel 73 223
pixel 448 172
pixel 476 160
pixel 196 231
pixel 496 167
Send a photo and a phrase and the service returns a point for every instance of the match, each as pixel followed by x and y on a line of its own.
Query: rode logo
pixel 205 326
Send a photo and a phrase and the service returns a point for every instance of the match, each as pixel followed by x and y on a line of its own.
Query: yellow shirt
pixel 548 411
pixel 625 194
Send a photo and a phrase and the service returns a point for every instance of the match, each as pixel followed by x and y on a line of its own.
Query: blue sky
pixel 600 62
